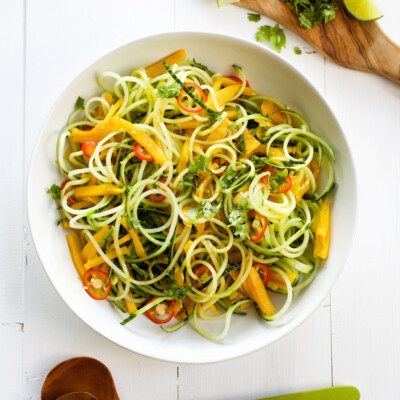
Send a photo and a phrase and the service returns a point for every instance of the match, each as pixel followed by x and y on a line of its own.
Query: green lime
pixel 363 10
pixel 221 3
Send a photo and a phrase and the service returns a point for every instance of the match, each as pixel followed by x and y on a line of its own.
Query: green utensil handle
pixel 335 393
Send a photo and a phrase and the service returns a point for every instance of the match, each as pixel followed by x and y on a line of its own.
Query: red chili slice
pixel 258 226
pixel 139 152
pixel 89 147
pixel 237 79
pixel 199 91
pixel 70 201
pixel 152 314
pixel 95 283
pixel 87 128
pixel 158 198
pixel 264 272
pixel 285 187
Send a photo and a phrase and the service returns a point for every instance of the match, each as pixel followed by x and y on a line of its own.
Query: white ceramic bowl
pixel 269 74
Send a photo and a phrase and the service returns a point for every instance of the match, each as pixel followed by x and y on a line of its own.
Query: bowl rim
pixel 300 320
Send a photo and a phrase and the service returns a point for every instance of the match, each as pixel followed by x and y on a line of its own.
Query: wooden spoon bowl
pixel 83 378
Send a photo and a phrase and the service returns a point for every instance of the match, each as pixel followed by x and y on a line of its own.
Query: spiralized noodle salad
pixel 189 196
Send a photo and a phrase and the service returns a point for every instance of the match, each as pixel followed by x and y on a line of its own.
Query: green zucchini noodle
pixel 180 184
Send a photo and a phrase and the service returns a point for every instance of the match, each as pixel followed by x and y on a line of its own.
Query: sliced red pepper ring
pixel 258 225
pixel 70 201
pixel 96 284
pixel 283 188
pixel 158 198
pixel 263 271
pixel 89 147
pixel 153 313
pixel 140 153
pixel 182 94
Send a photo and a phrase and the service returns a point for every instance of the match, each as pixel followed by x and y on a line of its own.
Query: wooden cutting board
pixel 345 41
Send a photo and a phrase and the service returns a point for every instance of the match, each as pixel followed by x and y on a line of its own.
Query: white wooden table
pixel 352 339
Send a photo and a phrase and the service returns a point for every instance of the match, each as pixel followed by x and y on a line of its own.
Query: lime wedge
pixel 221 3
pixel 363 10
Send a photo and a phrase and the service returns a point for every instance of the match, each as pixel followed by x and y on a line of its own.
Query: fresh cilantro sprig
pixel 54 191
pixel 272 34
pixel 131 222
pixel 239 220
pixel 253 17
pixel 278 179
pixel 204 208
pixel 169 91
pixel 312 12
pixel 199 164
pixel 297 50
pixel 228 178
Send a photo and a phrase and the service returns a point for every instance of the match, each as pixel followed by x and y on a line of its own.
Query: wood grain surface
pixel 79 374
pixel 345 40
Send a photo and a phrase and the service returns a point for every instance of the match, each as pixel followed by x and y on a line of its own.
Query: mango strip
pixel 321 229
pixel 94 262
pixel 89 251
pixel 135 239
pixel 158 69
pixel 229 82
pixel 97 190
pixel 75 251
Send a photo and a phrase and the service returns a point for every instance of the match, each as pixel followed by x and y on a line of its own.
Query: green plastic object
pixel 334 393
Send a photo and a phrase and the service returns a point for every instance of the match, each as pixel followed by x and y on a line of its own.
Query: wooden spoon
pixel 79 376
pixel 345 40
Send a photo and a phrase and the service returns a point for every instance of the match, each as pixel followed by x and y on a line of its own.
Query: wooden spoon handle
pixel 345 41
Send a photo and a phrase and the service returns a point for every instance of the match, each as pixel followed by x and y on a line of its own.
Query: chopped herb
pixel 199 164
pixel 297 50
pixel 196 64
pixel 206 208
pixel 312 12
pixel 169 91
pixel 239 221
pixel 131 222
pixel 253 17
pixel 80 103
pixel 228 177
pixel 278 179
pixel 54 191
pixel 274 35
pixel 177 292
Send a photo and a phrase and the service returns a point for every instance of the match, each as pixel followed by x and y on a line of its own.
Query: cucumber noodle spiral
pixel 171 237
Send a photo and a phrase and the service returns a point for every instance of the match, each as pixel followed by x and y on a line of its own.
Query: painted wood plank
pixel 12 158
pixel 365 311
pixel 11 375
pixel 300 361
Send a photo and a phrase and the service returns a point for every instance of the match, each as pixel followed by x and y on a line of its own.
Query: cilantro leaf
pixel 278 179
pixel 169 91
pixel 274 35
pixel 196 64
pixel 177 292
pixel 131 222
pixel 239 221
pixel 228 178
pixel 199 164
pixel 206 208
pixel 253 17
pixel 80 103
pixel 310 13
pixel 297 50
pixel 54 191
